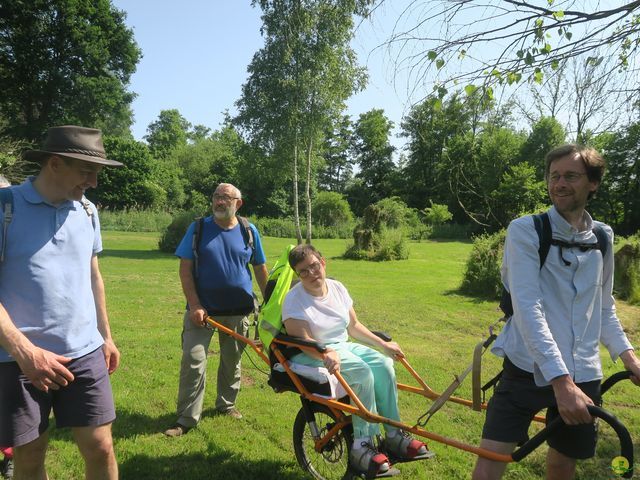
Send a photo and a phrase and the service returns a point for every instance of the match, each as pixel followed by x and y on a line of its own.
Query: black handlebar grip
pixel 626 445
pixel 613 379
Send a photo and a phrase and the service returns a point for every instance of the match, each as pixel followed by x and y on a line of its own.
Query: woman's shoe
pixel 368 460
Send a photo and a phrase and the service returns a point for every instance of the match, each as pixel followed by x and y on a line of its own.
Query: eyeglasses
pixel 570 177
pixel 311 269
pixel 224 198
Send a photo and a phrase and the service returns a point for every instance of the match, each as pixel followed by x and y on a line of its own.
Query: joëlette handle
pixel 626 446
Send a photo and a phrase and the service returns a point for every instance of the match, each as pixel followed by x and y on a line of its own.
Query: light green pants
pixel 371 376
pixel 193 368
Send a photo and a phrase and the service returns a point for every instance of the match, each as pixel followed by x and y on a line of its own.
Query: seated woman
pixel 320 309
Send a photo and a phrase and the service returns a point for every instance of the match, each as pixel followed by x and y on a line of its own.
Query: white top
pixel 561 312
pixel 328 316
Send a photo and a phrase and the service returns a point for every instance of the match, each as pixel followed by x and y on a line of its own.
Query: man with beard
pixel 562 311
pixel 215 255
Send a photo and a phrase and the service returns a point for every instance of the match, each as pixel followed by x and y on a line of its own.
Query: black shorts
pixel 517 399
pixel 24 410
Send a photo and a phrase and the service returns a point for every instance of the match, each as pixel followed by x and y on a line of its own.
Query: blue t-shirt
pixel 45 279
pixel 224 280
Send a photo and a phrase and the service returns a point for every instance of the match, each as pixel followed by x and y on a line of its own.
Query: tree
pixel 207 163
pixel 338 163
pixel 505 41
pixel 133 185
pixel 374 154
pixel 65 62
pixel 618 198
pixel 585 96
pixel 429 130
pixel 168 133
pixel 546 134
pixel 298 83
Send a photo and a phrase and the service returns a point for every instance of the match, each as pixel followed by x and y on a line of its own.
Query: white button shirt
pixel 561 312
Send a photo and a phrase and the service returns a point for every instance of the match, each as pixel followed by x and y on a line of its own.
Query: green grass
pixel 414 300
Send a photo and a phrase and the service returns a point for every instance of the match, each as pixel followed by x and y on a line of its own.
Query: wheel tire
pixel 333 462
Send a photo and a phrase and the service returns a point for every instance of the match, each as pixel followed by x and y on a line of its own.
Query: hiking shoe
pixel 232 412
pixel 177 430
pixel 403 446
pixel 368 460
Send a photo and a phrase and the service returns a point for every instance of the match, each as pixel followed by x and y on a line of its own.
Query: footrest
pixel 392 472
pixel 426 456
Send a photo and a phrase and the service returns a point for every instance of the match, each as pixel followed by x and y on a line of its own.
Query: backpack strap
pixel 247 234
pixel 195 243
pixel 542 225
pixel 603 239
pixel 543 229
pixel 87 208
pixel 6 201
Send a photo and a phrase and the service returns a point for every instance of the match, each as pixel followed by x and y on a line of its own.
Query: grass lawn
pixel 413 300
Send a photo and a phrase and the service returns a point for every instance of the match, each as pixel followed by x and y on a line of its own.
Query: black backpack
pixel 543 229
pixel 247 235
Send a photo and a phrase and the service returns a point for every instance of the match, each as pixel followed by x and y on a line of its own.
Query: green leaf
pixel 462 54
pixel 538 76
pixel 489 93
pixel 437 104
pixel 555 64
pixel 439 63
pixel 559 15
pixel 432 55
pixel 529 59
pixel 470 89
pixel 568 35
pixel 520 53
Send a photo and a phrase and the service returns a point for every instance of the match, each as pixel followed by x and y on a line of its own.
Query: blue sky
pixel 196 54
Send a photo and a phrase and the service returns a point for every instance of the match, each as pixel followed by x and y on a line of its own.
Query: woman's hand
pixel 331 361
pixel 392 349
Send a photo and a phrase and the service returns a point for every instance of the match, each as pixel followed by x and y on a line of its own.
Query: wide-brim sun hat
pixel 71 141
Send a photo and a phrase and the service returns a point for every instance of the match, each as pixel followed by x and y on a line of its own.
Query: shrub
pixel 134 220
pixel 330 209
pixel 453 231
pixel 285 228
pixel 482 271
pixel 175 231
pixel 627 270
pixel 391 245
pixel 380 234
pixel 437 214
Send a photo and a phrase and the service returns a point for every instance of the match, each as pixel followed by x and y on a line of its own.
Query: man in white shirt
pixel 562 312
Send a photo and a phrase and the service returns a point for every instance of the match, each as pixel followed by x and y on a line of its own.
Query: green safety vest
pixel 278 284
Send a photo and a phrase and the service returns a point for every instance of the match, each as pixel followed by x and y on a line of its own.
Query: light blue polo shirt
pixel 45 279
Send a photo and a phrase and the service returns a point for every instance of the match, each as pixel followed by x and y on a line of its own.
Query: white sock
pixel 392 432
pixel 357 442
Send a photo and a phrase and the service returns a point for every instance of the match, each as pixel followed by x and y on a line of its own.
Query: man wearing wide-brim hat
pixel 56 349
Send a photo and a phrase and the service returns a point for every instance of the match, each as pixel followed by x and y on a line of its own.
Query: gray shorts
pixel 24 410
pixel 517 399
